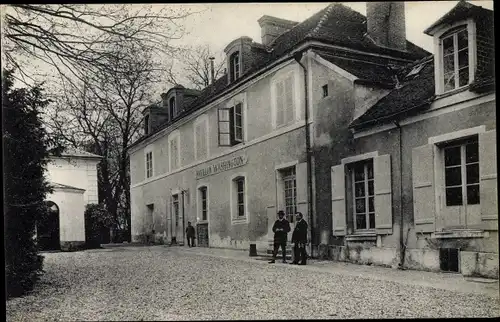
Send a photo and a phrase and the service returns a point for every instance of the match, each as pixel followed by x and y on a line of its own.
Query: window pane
pixel 473 194
pixel 240 197
pixel 360 205
pixel 370 188
pixel 240 184
pixel 454 196
pixel 448 45
pixel 453 176
pixel 238 120
pixel 359 172
pixel 204 215
pixel 224 127
pixel 449 81
pixel 471 152
pixel 361 222
pixel 463 58
pixel 449 64
pixel 462 39
pixel 372 221
pixel 238 133
pixel 225 139
pixel 369 167
pixel 371 204
pixel 472 173
pixel 463 76
pixel 360 189
pixel 452 156
pixel 241 211
pixel 223 115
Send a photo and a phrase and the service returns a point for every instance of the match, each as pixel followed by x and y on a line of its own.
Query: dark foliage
pixel 97 224
pixel 26 149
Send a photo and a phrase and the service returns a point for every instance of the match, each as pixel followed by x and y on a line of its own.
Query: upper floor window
pixel 231 125
pixel 201 138
pixel 363 196
pixel 239 198
pixel 171 105
pixel 455 53
pixel 174 151
pixel 234 65
pixel 284 105
pixel 325 90
pixel 149 164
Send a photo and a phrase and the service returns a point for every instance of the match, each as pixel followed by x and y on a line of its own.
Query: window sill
pixel 452 92
pixel 362 236
pixel 202 222
pixel 236 221
pixel 460 233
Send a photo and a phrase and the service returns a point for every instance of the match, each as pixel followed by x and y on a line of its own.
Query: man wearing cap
pixel 299 239
pixel 281 228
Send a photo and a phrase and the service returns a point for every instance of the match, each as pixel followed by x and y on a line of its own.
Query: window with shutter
pixel 424 209
pixel 288 100
pixel 238 123
pixel 383 194
pixel 231 125
pixel 280 103
pixel 201 140
pixel 224 126
pixel 174 152
pixel 284 102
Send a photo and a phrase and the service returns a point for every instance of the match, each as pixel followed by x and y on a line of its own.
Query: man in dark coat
pixel 190 234
pixel 281 228
pixel 299 238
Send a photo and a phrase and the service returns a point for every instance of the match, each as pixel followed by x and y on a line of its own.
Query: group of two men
pixel 281 228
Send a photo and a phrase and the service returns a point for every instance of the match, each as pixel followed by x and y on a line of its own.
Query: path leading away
pixel 177 283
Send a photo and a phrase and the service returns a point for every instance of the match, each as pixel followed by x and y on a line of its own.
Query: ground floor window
pixel 203 203
pixel 289 192
pixel 239 200
pixel 175 209
pixel 363 195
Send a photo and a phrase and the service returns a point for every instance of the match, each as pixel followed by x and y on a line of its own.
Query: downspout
pixel 298 57
pixel 402 243
pixel 183 221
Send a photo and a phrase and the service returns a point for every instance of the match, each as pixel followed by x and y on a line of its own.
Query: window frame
pixel 232 123
pixel 325 90
pixel 146 124
pixel 366 179
pixel 292 177
pixel 235 65
pixel 172 108
pixel 200 210
pixel 234 203
pixel 175 135
pixel 177 214
pixel 439 62
pixel 149 150
pixel 292 71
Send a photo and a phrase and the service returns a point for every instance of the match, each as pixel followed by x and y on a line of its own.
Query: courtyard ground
pixel 180 283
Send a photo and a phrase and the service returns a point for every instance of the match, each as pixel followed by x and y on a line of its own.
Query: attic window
pixel 146 125
pixel 172 107
pixel 325 90
pixel 234 65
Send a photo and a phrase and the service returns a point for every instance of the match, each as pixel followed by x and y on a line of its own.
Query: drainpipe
pixel 402 243
pixel 183 221
pixel 298 57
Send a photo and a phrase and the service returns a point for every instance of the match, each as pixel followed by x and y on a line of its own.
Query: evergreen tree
pixel 25 154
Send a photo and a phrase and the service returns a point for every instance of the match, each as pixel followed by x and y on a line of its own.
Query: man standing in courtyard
pixel 299 239
pixel 190 234
pixel 281 228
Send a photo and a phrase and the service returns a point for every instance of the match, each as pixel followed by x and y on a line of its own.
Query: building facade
pixel 306 121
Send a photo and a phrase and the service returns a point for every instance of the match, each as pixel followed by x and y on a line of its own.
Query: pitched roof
pixel 414 92
pixel 61 186
pixel 461 11
pixel 71 152
pixel 336 24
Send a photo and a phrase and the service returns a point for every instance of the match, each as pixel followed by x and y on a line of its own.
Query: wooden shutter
pixel 338 201
pixel 488 180
pixel 424 202
pixel 288 100
pixel 301 181
pixel 383 194
pixel 201 143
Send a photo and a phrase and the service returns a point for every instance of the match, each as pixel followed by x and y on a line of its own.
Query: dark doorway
pixel 47 229
pixel 202 230
pixel 448 258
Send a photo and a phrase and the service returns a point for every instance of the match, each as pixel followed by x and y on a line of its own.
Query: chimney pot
pixel 272 27
pixel 212 69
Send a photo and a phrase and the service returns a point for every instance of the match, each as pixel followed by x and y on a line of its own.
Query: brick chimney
pixel 272 27
pixel 386 24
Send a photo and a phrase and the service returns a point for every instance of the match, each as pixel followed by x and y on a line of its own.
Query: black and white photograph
pixel 249 161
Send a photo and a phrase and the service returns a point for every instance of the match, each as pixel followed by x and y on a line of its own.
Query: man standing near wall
pixel 190 234
pixel 299 238
pixel 281 228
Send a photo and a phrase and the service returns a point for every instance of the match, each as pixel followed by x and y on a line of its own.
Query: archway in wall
pixel 47 229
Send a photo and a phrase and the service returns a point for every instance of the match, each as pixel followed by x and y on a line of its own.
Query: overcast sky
pixel 224 22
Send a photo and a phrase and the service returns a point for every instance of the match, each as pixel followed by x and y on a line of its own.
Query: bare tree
pixel 103 115
pixel 196 67
pixel 73 38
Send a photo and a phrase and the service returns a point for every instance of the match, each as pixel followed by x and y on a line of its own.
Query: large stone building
pixel 323 117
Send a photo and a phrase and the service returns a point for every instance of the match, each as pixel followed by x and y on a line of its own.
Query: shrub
pixel 97 221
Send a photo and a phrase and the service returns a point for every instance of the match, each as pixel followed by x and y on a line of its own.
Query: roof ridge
pixel 321 20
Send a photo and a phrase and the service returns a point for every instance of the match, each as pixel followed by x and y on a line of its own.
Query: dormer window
pixel 146 124
pixel 171 105
pixel 455 53
pixel 235 66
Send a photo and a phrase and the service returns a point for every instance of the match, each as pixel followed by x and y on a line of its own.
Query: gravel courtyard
pixel 169 283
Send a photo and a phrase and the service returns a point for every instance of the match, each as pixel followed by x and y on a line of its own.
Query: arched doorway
pixel 48 228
